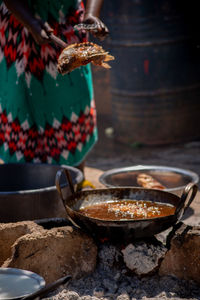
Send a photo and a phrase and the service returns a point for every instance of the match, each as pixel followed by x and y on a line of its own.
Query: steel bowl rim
pixel 194 176
pixel 45 189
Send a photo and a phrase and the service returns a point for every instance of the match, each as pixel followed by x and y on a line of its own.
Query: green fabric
pixel 42 8
pixel 42 102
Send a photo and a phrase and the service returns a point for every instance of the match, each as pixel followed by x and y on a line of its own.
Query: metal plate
pixel 17 283
pixel 175 179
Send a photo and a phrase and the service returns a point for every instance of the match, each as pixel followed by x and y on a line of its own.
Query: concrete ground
pixel 108 154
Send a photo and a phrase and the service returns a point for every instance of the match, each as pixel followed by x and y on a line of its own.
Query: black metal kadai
pixel 124 229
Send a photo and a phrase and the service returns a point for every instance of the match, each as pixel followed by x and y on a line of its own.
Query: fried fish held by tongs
pixel 77 55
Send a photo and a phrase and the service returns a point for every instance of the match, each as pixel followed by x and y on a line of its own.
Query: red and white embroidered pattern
pixel 51 142
pixel 18 46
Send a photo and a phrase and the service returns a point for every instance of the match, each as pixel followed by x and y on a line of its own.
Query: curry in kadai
pixel 128 210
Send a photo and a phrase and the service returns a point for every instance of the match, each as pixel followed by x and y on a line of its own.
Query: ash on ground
pixel 143 258
pixel 113 281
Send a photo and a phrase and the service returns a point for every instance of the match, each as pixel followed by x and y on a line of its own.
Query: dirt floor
pixel 108 154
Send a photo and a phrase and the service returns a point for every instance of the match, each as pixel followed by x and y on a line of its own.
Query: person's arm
pixel 93 7
pixel 92 13
pixel 23 13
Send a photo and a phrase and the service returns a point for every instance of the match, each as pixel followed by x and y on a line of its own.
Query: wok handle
pixel 191 187
pixel 58 176
pixel 69 179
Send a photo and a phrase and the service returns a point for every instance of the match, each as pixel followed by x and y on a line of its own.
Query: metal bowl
pixel 28 191
pixel 174 179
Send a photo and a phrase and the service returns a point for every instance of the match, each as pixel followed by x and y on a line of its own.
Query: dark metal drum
pixel 155 78
pixel 124 229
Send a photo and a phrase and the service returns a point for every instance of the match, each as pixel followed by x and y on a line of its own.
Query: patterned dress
pixel 44 116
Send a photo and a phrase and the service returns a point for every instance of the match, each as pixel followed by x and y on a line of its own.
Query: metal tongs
pixel 52 37
pixel 90 28
pixel 56 40
pixel 86 27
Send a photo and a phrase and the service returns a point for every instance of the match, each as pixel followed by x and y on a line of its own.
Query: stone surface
pixel 10 232
pixel 109 282
pixel 143 258
pixel 54 253
pixel 183 259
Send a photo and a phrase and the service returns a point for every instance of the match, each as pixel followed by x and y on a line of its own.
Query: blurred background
pixel 150 96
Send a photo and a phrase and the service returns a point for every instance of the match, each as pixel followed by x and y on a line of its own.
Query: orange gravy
pixel 129 209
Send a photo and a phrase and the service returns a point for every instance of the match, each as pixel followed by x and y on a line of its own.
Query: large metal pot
pixel 174 179
pixel 124 229
pixel 28 191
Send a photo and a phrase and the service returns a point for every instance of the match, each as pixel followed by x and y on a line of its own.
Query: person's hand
pixel 97 28
pixel 40 31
